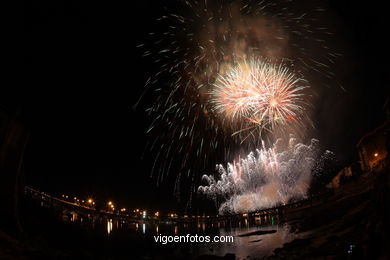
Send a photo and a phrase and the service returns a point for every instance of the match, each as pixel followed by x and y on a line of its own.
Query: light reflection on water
pixel 254 245
pixel 109 226
pixel 257 245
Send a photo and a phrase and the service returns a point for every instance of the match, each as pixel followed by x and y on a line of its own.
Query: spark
pixel 260 94
pixel 267 177
pixel 189 57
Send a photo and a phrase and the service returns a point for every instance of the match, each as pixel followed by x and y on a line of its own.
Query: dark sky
pixel 84 74
pixel 83 80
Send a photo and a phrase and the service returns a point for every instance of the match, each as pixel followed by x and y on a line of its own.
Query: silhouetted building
pixel 374 147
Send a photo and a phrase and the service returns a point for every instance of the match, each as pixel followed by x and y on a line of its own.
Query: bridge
pixel 275 215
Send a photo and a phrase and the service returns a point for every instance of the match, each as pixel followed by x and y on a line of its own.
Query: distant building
pixel 374 147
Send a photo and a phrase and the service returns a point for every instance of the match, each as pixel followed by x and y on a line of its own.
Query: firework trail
pixel 200 54
pixel 257 94
pixel 266 178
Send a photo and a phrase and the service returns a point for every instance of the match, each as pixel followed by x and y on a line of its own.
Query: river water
pixel 248 240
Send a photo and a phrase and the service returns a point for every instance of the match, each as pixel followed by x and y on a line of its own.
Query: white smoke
pixel 265 178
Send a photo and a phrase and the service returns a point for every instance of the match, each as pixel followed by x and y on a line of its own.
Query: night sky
pixel 83 75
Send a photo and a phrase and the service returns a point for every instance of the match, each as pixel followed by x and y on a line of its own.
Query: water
pixel 249 239
pixel 252 245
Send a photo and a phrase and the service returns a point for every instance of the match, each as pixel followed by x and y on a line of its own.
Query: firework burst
pixel 193 51
pixel 258 94
pixel 267 177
